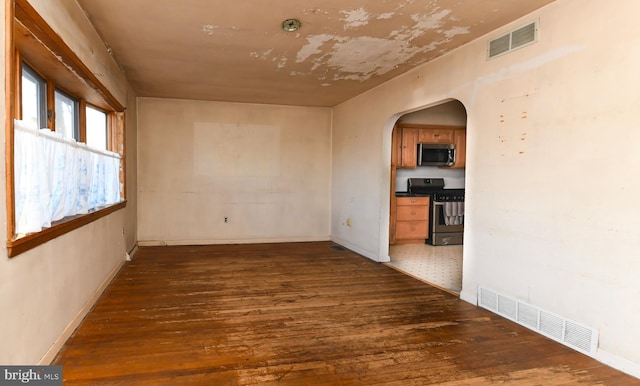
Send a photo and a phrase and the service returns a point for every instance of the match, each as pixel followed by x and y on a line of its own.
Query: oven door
pixel 439 223
pixel 441 232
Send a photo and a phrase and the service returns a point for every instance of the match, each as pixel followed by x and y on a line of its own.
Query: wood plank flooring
pixel 302 314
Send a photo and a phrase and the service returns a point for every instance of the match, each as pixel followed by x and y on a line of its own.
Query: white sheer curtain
pixel 56 177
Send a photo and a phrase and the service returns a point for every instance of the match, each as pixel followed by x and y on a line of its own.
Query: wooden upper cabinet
pixel 409 157
pixel 436 135
pixel 460 140
pixel 406 137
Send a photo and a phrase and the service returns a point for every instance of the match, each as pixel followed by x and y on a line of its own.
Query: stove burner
pixel 434 188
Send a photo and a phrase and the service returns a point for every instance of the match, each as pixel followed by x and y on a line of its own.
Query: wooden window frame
pixel 29 39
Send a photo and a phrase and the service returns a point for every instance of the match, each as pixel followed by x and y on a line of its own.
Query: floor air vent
pixel 337 248
pixel 567 332
pixel 520 37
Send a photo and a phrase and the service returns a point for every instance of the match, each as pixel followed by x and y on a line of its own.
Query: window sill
pixel 32 240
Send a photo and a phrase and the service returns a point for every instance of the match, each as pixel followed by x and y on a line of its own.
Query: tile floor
pixel 439 265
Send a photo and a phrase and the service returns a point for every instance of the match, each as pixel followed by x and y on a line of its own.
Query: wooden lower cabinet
pixel 412 220
pixel 411 230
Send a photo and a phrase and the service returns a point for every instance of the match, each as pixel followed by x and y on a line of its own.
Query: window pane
pixel 96 128
pixel 66 116
pixel 33 98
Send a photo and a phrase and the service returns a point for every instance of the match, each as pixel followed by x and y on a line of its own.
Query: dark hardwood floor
pixel 302 314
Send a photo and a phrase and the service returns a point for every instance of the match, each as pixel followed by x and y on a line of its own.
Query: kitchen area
pixel 426 224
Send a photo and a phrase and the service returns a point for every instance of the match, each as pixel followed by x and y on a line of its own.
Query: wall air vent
pixel 565 331
pixel 517 38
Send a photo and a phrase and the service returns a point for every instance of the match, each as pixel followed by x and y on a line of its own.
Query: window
pixel 66 116
pixel 96 128
pixel 55 184
pixel 34 98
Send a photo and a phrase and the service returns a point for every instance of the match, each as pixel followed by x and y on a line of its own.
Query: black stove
pixel 446 211
pixel 434 188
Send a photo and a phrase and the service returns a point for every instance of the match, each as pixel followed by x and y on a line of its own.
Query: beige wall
pixel 45 292
pixel 266 168
pixel 558 116
pixel 552 216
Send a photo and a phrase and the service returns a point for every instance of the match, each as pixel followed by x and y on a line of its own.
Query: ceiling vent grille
pixel 565 331
pixel 515 39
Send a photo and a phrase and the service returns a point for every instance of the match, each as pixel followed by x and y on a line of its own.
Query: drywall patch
pixel 354 57
pixel 262 55
pixel 234 150
pixel 282 61
pixel 454 31
pixel 356 18
pixel 210 29
pixel 431 21
pixel 314 44
pixel 360 58
pixel 313 11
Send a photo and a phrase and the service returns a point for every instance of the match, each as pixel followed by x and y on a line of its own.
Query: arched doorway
pixel 414 247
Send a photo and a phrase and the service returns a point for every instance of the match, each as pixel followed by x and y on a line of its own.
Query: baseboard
pixel 468 296
pixel 131 253
pixel 619 363
pixel 71 327
pixel 358 250
pixel 157 243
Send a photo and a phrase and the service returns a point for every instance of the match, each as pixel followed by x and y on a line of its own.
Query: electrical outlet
pixel 226 219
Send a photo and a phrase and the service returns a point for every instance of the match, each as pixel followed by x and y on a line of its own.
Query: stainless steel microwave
pixel 436 154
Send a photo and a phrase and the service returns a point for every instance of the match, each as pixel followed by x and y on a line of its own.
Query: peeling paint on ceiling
pixel 360 58
pixel 209 29
pixel 355 19
pixel 237 51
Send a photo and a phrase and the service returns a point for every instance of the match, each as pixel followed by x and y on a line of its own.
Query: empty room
pixel 321 192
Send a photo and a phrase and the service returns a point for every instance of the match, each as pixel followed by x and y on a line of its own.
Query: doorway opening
pixel 414 248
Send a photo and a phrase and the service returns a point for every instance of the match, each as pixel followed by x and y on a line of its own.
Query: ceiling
pixel 237 51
